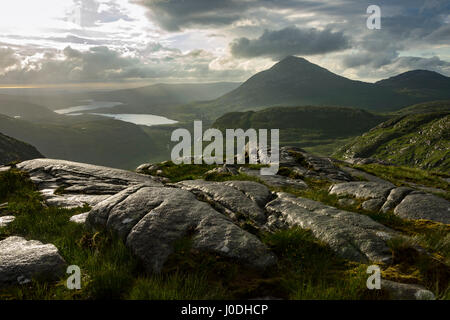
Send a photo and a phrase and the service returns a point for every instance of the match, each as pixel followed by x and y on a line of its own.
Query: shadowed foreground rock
pixel 21 260
pixel 151 219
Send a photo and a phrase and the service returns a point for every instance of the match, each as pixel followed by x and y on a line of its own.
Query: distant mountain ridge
pixel 14 150
pixel 295 81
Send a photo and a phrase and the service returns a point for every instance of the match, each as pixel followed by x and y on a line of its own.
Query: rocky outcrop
pixel 424 206
pixel 77 184
pixel 244 197
pixel 353 236
pixel 405 202
pixel 362 189
pixel 274 180
pixel 152 219
pixel 22 260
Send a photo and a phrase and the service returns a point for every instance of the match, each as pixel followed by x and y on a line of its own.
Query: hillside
pixel 420 83
pixel 15 150
pixel 295 81
pixel 317 129
pixel 89 139
pixel 418 136
pixel 12 107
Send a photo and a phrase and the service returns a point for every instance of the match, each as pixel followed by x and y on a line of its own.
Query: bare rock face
pixel 362 189
pixel 395 197
pixel 151 219
pixel 351 235
pixel 21 260
pixel 244 197
pixel 79 183
pixel 424 206
pixel 405 202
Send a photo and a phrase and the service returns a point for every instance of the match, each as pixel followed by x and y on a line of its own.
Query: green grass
pixel 313 271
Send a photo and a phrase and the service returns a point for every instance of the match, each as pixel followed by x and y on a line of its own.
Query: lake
pixel 138 119
pixel 90 105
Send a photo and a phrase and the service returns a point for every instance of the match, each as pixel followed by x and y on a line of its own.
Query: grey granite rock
pixel 21 260
pixel 151 219
pixel 395 197
pixel 80 183
pixel 239 197
pixel 353 236
pixel 424 206
pixel 79 218
pixel 362 189
pixel 373 204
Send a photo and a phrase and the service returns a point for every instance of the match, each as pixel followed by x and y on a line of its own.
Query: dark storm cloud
pixel 290 41
pixel 173 15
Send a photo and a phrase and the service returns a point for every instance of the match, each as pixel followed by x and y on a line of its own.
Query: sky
pixel 67 42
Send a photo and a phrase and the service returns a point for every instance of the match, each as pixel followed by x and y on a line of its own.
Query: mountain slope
pixel 24 110
pixel 305 126
pixel 420 83
pixel 92 140
pixel 418 136
pixel 15 150
pixel 295 81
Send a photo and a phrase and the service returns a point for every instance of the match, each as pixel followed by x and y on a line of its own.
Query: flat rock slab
pixel 351 235
pixel 237 197
pixel 362 189
pixel 424 206
pixel 21 260
pixel 5 220
pixel 151 219
pixel 80 183
pixel 275 180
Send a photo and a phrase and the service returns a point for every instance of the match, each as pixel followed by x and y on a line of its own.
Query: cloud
pixel 102 64
pixel 173 15
pixel 290 41
pixel 7 58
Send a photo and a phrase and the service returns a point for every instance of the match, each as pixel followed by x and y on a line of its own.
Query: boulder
pixel 372 204
pixel 362 189
pixel 237 197
pixel 424 206
pixel 21 260
pixel 152 219
pixel 395 197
